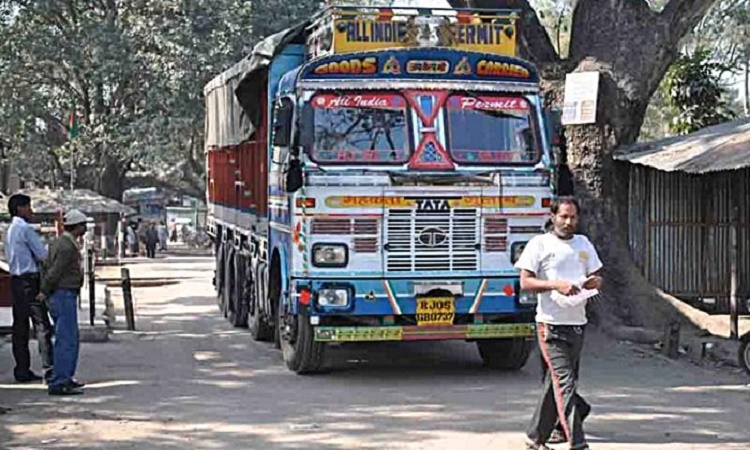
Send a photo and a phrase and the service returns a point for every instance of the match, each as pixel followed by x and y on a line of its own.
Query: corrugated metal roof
pixel 721 147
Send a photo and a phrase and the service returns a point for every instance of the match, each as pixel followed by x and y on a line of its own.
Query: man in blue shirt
pixel 24 253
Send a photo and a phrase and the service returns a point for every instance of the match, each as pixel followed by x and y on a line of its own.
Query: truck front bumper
pixel 424 333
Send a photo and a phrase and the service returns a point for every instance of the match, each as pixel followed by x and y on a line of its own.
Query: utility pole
pixel 72 166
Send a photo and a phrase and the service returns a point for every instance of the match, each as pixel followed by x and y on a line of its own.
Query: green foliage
pixel 135 71
pixel 693 89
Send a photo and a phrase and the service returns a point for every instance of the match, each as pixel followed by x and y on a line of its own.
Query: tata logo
pixel 432 237
pixel 433 204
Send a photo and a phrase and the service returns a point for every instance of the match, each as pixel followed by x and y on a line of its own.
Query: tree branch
pixel 535 43
pixel 681 16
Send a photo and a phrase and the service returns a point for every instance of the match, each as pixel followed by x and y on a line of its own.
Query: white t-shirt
pixel 552 258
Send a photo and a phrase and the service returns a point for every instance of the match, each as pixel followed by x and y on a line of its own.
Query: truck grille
pixel 431 240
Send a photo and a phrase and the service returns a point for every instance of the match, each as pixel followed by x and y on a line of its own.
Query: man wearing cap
pixel 24 253
pixel 60 286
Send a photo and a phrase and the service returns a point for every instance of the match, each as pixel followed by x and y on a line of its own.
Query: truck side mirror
pixel 293 176
pixel 282 125
pixel 306 126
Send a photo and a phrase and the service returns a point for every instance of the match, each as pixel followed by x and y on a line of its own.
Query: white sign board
pixel 581 93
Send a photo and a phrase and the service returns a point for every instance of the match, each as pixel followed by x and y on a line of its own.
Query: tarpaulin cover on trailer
pixel 234 98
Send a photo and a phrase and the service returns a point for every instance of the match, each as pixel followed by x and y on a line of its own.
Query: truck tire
pixel 744 353
pixel 260 330
pixel 302 354
pixel 237 310
pixel 219 275
pixel 505 354
pixel 228 293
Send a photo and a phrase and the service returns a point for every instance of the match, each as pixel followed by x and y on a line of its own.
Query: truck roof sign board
pixel 367 35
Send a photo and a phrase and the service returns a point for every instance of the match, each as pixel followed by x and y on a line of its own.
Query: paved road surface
pixel 188 380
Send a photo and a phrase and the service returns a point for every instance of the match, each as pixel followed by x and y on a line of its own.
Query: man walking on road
pixel 152 239
pixel 61 286
pixel 563 269
pixel 24 252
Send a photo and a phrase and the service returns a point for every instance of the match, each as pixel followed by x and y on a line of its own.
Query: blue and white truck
pixel 373 174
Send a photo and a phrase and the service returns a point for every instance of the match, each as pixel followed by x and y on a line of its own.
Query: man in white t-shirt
pixel 563 269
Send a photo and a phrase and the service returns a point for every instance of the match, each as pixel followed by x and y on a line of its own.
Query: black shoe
pixel 64 390
pixel 76 384
pixel 28 378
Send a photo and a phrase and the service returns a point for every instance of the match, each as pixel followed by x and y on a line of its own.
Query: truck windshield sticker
pixel 491 130
pixel 360 128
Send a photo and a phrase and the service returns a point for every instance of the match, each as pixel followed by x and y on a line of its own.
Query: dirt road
pixel 189 380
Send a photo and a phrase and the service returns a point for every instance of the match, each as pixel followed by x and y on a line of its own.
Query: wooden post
pixel 733 310
pixel 127 296
pixel 91 283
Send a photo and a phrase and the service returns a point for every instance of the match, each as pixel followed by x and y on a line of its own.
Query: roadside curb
pixel 93 334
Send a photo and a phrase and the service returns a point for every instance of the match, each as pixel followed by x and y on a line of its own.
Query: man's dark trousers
pixel 26 308
pixel 560 346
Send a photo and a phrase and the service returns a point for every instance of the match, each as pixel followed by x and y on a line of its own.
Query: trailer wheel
pixel 260 330
pixel 505 354
pixel 219 275
pixel 744 353
pixel 229 285
pixel 302 354
pixel 237 309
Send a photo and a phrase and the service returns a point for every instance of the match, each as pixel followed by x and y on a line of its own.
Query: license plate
pixel 435 311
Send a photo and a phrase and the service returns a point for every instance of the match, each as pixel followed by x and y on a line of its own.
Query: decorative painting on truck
pixel 421 63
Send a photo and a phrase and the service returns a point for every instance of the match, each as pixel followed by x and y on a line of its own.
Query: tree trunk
pixel 632 54
pixel 111 183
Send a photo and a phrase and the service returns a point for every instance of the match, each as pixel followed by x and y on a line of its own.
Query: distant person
pixel 60 287
pixel 173 231
pixel 141 232
pixel 163 236
pixel 563 268
pixel 132 240
pixel 24 253
pixel 151 240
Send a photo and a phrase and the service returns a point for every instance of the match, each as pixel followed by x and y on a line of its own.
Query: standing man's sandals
pixel 530 445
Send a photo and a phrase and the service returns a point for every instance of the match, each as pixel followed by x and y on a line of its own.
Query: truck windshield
pixel 360 128
pixel 491 129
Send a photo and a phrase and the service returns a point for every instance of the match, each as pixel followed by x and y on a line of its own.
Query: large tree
pixel 132 72
pixel 631 43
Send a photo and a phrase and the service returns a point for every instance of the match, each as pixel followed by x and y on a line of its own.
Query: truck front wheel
pixel 301 353
pixel 505 354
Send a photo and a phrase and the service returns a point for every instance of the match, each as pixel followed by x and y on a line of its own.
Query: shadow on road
pixel 187 379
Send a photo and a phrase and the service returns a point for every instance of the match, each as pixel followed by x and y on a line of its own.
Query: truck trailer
pixel 373 175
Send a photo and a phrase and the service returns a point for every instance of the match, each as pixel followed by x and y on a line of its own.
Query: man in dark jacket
pixel 61 286
pixel 152 239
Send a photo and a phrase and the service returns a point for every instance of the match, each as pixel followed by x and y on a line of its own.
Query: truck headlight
pixel 516 249
pixel 333 297
pixel 330 255
pixel 527 298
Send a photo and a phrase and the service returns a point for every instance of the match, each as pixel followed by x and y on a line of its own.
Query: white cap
pixel 74 217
